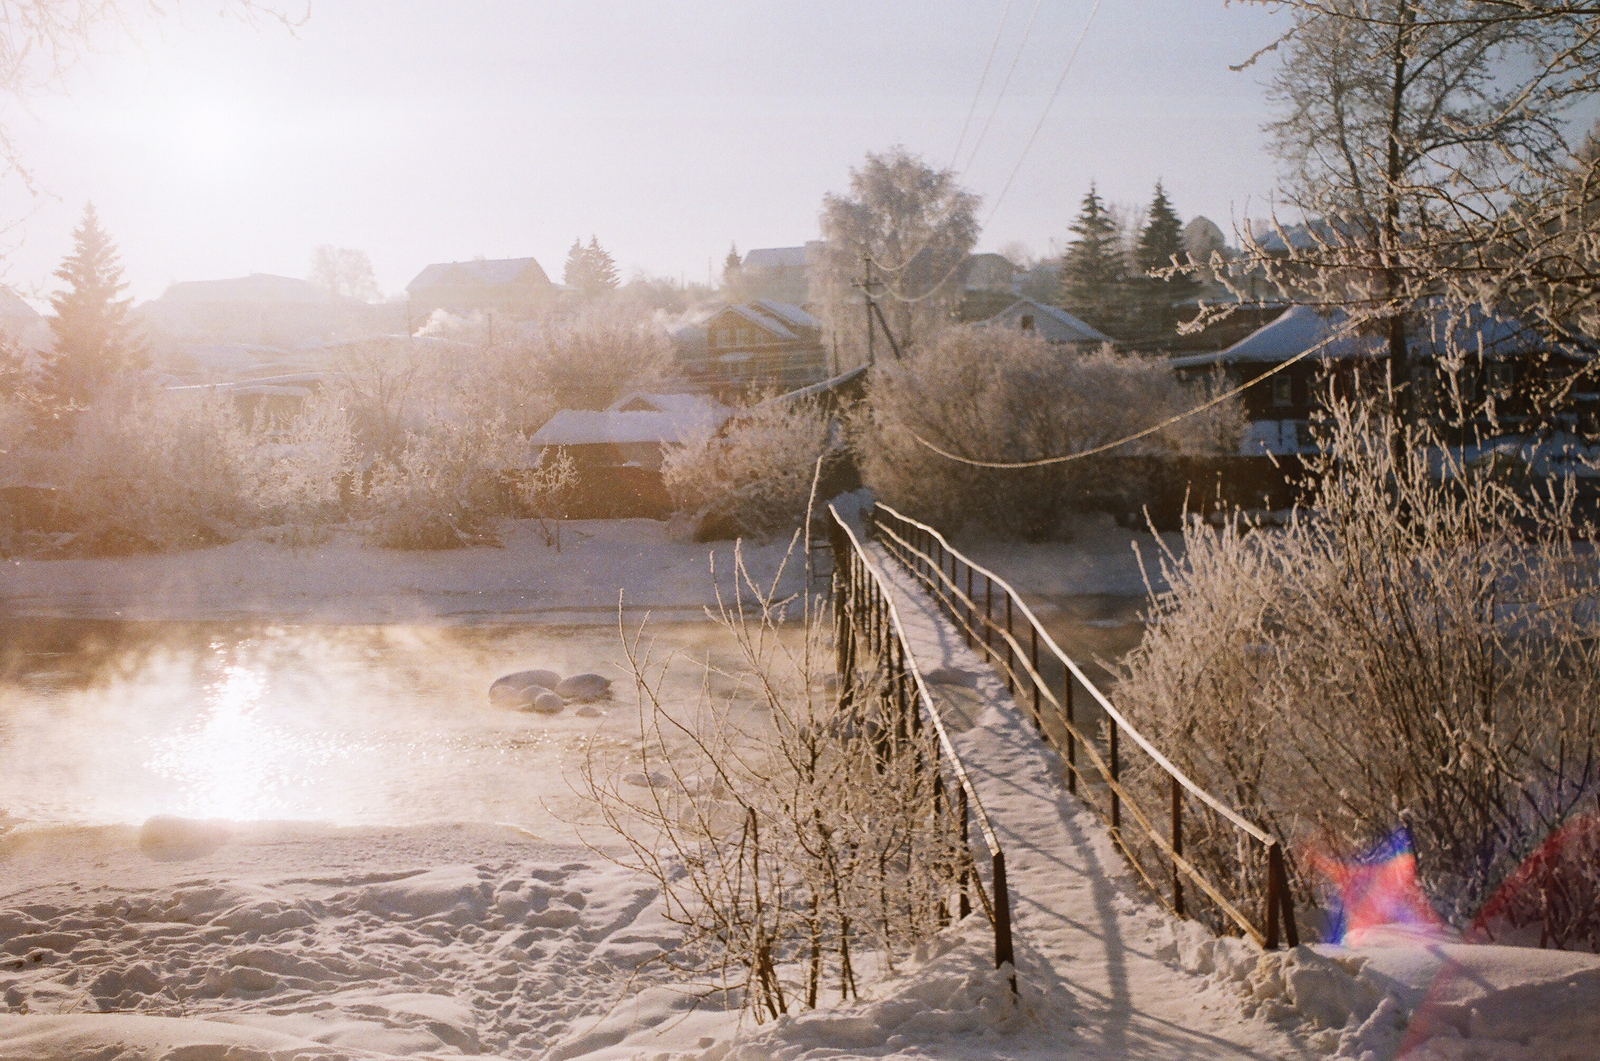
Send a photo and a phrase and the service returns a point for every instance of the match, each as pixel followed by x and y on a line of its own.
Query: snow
pixel 198 940
pixel 349 581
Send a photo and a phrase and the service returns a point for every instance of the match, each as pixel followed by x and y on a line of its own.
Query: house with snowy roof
pixel 517 287
pixel 753 346
pixel 782 274
pixel 1496 353
pixel 617 451
pixel 1051 323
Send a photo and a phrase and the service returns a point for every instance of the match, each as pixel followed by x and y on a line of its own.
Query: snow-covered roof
pixel 1052 323
pixel 257 287
pixel 677 404
pixel 1301 327
pixel 776 258
pixel 12 307
pixel 788 312
pixel 587 427
pixel 496 271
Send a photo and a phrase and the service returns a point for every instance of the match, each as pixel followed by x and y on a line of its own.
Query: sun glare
pixel 231 763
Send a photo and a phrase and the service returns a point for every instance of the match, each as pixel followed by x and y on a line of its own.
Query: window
pixel 1282 392
pixel 744 336
pixel 1027 322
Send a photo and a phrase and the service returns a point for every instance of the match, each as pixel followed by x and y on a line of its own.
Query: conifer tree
pixel 589 269
pixel 603 268
pixel 1160 241
pixel 732 270
pixel 1093 272
pixel 576 269
pixel 95 340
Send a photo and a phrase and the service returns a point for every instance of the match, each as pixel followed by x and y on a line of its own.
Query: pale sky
pixel 438 131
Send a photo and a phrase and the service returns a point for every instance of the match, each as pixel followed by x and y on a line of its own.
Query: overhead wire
pixel 977 96
pixel 1072 57
pixel 983 79
pixel 1339 333
pixel 1001 95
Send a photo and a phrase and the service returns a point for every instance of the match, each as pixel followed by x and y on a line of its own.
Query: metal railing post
pixel 1033 658
pixel 970 617
pixel 1177 848
pixel 1072 741
pixel 1003 953
pixel 1116 776
pixel 988 617
pixel 966 856
pixel 1011 679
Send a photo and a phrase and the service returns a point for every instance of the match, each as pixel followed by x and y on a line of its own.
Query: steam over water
pixel 116 722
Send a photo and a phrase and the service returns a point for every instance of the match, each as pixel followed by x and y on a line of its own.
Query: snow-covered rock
pixel 519 690
pixel 585 688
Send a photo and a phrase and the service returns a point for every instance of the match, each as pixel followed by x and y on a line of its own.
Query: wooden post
pixel 942 918
pixel 1177 847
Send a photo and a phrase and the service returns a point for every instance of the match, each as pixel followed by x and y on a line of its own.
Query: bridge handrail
pixel 997 906
pixel 1278 896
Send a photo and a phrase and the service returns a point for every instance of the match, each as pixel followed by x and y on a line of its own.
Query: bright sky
pixel 437 131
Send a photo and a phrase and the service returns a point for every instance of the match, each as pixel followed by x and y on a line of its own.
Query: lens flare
pixel 1377 889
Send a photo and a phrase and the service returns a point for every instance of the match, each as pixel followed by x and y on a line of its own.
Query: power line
pixel 1168 422
pixel 1046 113
pixel 1026 33
pixel 1062 80
pixel 982 80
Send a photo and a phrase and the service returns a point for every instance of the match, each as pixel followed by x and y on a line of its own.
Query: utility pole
pixel 866 303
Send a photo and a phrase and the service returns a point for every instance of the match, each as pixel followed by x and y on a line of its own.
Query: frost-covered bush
pixel 297 471
pixel 447 485
pixel 794 858
pixel 589 360
pixel 1420 646
pixel 754 475
pixel 149 470
pixel 998 394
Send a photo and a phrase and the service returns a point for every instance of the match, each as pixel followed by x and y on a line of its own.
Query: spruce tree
pixel 1159 241
pixel 95 340
pixel 603 269
pixel 1093 272
pixel 589 269
pixel 732 271
pixel 576 271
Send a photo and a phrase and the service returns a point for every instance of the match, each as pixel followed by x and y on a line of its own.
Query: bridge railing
pixel 995 621
pixel 865 618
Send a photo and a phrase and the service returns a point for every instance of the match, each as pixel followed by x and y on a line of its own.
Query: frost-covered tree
pixel 344 272
pixel 1094 270
pixel 915 225
pixel 1424 152
pixel 94 339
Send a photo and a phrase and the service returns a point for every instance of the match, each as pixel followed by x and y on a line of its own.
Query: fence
pixel 865 617
pixel 926 554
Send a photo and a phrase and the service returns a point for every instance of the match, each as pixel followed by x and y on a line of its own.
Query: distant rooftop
pixel 1052 323
pixel 495 271
pixel 782 257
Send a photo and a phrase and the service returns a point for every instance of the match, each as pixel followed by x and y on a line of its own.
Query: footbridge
pixel 1051 785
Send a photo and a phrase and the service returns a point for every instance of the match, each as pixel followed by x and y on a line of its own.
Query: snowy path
pixel 1079 917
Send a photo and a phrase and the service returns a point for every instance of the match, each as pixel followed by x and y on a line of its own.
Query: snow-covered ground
pixel 190 940
pixel 349 581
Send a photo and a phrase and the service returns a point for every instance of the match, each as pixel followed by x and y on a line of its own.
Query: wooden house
pixel 514 287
